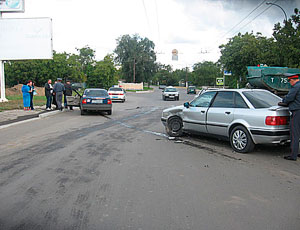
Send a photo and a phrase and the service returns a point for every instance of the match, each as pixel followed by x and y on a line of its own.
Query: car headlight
pixel 165 114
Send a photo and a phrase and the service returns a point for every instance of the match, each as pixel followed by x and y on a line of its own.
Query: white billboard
pixel 29 38
pixel 12 6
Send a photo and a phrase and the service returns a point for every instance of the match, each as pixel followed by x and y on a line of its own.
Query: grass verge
pixel 16 102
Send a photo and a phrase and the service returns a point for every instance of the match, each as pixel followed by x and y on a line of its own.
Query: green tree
pixel 287 42
pixel 86 58
pixel 103 74
pixel 205 73
pixel 137 57
pixel 62 65
pixel 241 51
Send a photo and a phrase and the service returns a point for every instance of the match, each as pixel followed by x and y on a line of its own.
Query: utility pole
pixel 2 79
pixel 133 70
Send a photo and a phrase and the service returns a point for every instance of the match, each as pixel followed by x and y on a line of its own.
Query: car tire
pixel 164 98
pixel 82 112
pixel 241 140
pixel 178 98
pixel 109 112
pixel 174 127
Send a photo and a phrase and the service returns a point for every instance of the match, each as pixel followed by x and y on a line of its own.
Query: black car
pixel 93 99
pixel 191 89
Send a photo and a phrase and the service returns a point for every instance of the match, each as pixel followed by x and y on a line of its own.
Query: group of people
pixel 55 93
pixel 28 91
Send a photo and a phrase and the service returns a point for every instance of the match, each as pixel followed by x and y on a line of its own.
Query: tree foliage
pixel 137 57
pixel 103 74
pixel 205 73
pixel 283 49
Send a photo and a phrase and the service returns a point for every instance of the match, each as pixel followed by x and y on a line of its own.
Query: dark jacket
pixel 293 97
pixel 58 87
pixel 68 90
pixel 48 90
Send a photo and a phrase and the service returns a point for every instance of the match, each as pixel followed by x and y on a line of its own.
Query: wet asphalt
pixel 122 172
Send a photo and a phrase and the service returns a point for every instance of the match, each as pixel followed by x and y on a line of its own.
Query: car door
pixel 221 113
pixel 194 117
pixel 74 100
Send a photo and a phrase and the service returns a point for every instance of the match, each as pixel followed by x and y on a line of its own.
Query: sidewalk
pixel 17 115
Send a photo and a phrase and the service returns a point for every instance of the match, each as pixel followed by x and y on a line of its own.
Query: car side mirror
pixel 186 105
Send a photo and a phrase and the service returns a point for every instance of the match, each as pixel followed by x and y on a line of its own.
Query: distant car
pixel 191 89
pixel 170 92
pixel 245 117
pixel 93 99
pixel 117 94
pixel 162 86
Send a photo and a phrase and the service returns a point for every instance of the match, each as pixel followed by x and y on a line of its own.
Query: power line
pixel 255 17
pixel 146 15
pixel 158 29
pixel 242 19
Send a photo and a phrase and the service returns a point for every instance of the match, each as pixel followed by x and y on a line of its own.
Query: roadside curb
pixel 149 91
pixel 48 114
pixel 25 119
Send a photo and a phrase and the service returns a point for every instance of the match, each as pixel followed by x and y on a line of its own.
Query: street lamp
pixel 270 3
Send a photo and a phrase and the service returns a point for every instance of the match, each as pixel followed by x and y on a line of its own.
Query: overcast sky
pixel 195 28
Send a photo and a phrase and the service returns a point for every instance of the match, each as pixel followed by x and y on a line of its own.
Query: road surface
pixel 122 172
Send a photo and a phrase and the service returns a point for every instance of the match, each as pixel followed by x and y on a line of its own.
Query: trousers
pixel 58 97
pixel 295 133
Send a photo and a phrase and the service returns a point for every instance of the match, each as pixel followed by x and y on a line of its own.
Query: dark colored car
pixel 191 89
pixel 93 99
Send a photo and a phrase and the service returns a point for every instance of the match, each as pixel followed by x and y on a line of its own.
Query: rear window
pixel 262 99
pixel 115 89
pixel 95 93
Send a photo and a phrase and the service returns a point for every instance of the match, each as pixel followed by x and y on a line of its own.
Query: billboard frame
pixel 7 9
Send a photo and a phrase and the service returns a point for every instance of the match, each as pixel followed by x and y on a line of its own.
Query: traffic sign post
pixel 219 81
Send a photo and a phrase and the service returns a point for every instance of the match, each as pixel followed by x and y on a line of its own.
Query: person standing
pixel 67 92
pixel 48 94
pixel 31 85
pixel 58 89
pixel 292 100
pixel 26 96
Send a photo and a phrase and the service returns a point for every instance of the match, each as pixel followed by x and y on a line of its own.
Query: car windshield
pixel 95 93
pixel 191 87
pixel 170 90
pixel 115 89
pixel 262 99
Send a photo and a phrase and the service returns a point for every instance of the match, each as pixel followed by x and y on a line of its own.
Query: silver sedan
pixel 245 117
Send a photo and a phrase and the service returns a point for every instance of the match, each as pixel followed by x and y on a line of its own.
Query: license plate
pixel 171 96
pixel 114 97
pixel 97 101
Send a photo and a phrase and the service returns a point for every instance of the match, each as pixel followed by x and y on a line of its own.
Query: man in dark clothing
pixel 31 85
pixel 292 99
pixel 48 94
pixel 58 89
pixel 68 92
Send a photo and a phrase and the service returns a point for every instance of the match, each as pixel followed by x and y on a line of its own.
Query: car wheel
pixel 164 98
pixel 82 112
pixel 174 127
pixel 109 112
pixel 241 140
pixel 178 98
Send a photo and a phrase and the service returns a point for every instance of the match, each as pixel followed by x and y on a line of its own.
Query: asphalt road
pixel 122 172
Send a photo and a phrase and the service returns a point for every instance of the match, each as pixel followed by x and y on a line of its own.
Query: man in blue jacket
pixel 292 99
